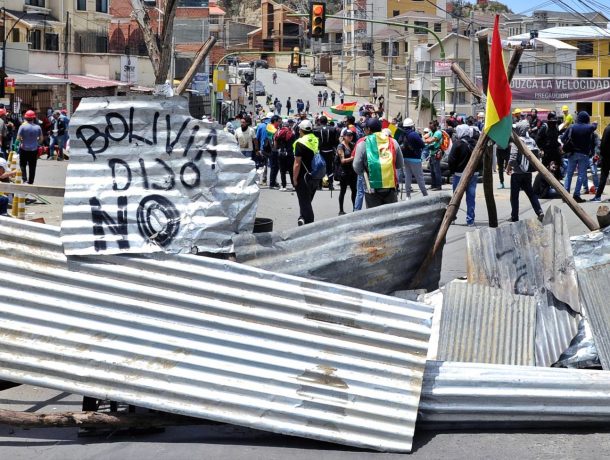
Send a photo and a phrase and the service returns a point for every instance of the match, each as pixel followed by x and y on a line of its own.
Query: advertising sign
pixel 442 69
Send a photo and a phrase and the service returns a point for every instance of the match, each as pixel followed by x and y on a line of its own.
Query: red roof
pixel 216 11
pixel 92 82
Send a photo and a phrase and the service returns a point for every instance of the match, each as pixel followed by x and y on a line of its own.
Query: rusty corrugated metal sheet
pixel 595 292
pixel 212 339
pixel 481 324
pixel 378 249
pixel 530 258
pixel 473 395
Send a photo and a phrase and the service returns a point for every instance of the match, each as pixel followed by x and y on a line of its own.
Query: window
pixel 584 107
pixel 423 67
pixel 194 3
pixel 16 36
pixel 461 98
pixel 338 37
pixel 101 6
pixel 101 44
pixel 606 109
pixel 51 42
pixel 584 73
pixel 420 31
pixel 214 19
pixel 585 48
pixel 438 27
pixel 81 5
pixel 39 3
pixel 35 39
pixel 395 13
pixel 366 46
pixel 385 46
pixel 406 47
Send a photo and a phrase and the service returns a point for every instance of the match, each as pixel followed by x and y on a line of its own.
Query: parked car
pixel 260 64
pixel 318 79
pixel 304 71
pixel 233 60
pixel 243 67
pixel 259 88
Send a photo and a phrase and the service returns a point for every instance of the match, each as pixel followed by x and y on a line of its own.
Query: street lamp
pixel 4 39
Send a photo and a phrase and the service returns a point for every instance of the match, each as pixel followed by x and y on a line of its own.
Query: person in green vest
pixel 378 157
pixel 304 149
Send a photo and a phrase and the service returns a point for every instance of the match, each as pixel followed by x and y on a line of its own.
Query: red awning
pixel 216 11
pixel 88 82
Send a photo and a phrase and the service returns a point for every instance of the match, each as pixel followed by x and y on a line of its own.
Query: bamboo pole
pixel 201 55
pixel 550 178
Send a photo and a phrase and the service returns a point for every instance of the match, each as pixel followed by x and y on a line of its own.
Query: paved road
pixel 295 87
pixel 232 443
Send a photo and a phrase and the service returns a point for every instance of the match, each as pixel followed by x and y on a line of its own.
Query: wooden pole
pixel 550 178
pixel 143 20
pixel 484 58
pixel 167 33
pixel 452 208
pixel 96 420
pixel 514 61
pixel 199 58
pixel 488 186
pixel 466 81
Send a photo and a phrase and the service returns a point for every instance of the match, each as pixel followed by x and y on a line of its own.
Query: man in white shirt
pixel 246 138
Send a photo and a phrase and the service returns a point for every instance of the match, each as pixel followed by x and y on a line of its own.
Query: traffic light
pixel 317 19
pixel 296 58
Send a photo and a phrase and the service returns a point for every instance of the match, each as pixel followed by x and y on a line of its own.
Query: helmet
pixel 2 112
pixel 408 123
pixel 305 125
pixel 30 115
pixel 551 116
pixel 480 114
pixel 565 108
pixel 517 112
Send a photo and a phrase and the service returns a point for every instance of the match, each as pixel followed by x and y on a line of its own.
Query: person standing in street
pixel 459 156
pixel 246 139
pixel 327 141
pixel 568 119
pixel 345 173
pixel 284 139
pixel 320 98
pixel 304 149
pixel 580 139
pixel 412 145
pixel 58 136
pixel 378 158
pixel 325 98
pixel 520 170
pixel 288 106
pixel 604 153
pixel 548 141
pixel 274 77
pixel 434 147
pixel 342 96
pixel 333 95
pixel 30 136
pixel 307 108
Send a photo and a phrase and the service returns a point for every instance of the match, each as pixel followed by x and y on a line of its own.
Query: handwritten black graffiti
pixel 97 140
pixel 158 220
pixel 117 227
pixel 520 285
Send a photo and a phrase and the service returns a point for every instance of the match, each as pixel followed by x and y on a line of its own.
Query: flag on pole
pixel 498 122
pixel 344 109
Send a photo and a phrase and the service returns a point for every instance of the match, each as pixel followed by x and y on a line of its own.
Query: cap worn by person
pixel 305 126
pixel 374 124
pixel 408 123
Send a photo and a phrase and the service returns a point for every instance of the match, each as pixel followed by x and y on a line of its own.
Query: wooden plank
pixel 7 187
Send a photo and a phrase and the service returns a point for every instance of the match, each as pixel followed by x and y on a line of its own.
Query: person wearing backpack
pixel 520 170
pixel 459 156
pixel 436 155
pixel 378 158
pixel 305 148
pixel 328 141
pixel 579 137
pixel 411 146
pixel 284 139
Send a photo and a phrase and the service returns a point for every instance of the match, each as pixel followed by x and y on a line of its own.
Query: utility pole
pixel 353 50
pixel 389 79
pixel 66 44
pixel 458 13
pixel 371 56
pixel 407 85
pixel 472 56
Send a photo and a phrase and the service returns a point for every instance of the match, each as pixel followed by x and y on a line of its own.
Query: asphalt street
pixel 233 443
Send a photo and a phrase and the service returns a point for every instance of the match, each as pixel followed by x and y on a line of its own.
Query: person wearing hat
pixel 412 145
pixel 57 136
pixel 30 136
pixel 516 115
pixel 568 119
pixel 304 149
pixel 5 174
pixel 328 142
pixel 547 141
pixel 378 157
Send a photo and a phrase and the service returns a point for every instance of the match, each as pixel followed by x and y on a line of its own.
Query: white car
pixel 303 71
pixel 243 66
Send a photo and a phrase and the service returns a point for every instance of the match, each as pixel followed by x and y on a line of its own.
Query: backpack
pixel 318 167
pixel 446 143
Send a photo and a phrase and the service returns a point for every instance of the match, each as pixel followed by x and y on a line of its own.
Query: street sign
pixel 201 84
pixel 9 85
pixel 442 69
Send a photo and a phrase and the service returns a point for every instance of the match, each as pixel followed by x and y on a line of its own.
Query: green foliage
pixel 426 105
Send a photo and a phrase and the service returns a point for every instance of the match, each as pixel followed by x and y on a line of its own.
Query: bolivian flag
pixel 498 122
pixel 346 108
pixel 381 161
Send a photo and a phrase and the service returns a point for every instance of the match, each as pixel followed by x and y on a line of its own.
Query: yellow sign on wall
pixel 220 80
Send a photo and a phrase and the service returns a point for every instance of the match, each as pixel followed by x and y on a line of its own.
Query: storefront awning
pixel 36 79
pixel 88 82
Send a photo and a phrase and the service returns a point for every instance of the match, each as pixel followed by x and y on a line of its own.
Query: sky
pixel 527 6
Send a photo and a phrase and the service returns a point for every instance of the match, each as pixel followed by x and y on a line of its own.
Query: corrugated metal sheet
pixel 212 339
pixel 481 324
pixel 378 249
pixel 591 249
pixel 145 176
pixel 487 395
pixel 529 258
pixel 595 292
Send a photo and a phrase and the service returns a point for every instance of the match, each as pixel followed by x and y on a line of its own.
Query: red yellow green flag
pixel 498 122
pixel 344 109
